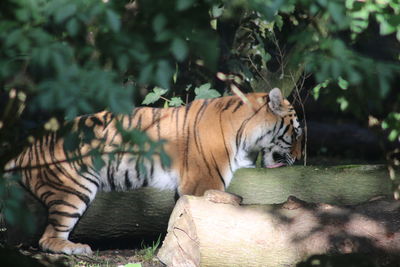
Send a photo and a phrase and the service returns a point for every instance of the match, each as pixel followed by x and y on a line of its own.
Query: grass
pixel 148 253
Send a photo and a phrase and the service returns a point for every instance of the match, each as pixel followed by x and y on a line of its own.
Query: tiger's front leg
pixel 199 183
pixel 64 211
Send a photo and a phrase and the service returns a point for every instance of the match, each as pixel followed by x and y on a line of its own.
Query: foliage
pixel 10 199
pixel 203 91
pixel 62 58
pixel 330 39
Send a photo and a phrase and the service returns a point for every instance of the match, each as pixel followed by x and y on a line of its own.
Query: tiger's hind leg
pixel 64 211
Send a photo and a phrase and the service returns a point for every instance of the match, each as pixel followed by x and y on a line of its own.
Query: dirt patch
pixel 109 258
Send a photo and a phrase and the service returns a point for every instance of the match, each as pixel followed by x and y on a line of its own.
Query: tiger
pixel 207 140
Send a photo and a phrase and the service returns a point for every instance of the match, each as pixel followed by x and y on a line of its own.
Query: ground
pixel 127 257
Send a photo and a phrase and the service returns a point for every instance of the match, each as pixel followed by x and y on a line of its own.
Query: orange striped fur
pixel 207 140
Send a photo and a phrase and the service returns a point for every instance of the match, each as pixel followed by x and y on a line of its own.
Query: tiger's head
pixel 284 146
pixel 274 129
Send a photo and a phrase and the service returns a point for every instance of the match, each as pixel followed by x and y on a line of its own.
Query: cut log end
pixel 279 235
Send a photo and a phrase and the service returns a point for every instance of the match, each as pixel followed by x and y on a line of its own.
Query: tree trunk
pixel 128 217
pixel 207 231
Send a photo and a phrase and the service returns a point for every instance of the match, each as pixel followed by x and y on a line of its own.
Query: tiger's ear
pixel 276 101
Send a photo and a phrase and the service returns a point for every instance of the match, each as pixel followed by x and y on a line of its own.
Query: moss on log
pixel 348 184
pixel 128 217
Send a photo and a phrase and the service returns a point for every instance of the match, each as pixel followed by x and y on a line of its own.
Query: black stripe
pixel 64 172
pixel 110 176
pixel 186 146
pixel 36 151
pixel 284 132
pixel 139 123
pixel 175 113
pixel 130 119
pixel 63 231
pixel 152 170
pixel 90 179
pixel 187 109
pixel 238 105
pixel 186 150
pixel 279 128
pixel 96 121
pixel 128 183
pixel 60 202
pixel 243 125
pixel 108 118
pixel 65 214
pixel 229 103
pixel 54 222
pixel 199 115
pixel 47 140
pixel 52 146
pixel 45 195
pixel 223 138
pixel 158 122
pixel 218 171
pixel 69 190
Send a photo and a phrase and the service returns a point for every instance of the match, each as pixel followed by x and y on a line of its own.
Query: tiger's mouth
pixel 276 165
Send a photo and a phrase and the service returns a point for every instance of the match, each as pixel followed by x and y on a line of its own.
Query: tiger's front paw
pixel 59 245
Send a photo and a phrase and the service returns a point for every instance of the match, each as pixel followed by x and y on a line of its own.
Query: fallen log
pixel 127 217
pixel 348 184
pixel 211 231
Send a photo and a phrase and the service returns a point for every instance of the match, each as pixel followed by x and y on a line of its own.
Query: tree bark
pixel 205 231
pixel 349 184
pixel 128 217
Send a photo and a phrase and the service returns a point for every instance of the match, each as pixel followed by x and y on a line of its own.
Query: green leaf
pixel 205 91
pixel 179 49
pixel 64 12
pixel 159 23
pixel 154 96
pixel 71 141
pixel 343 102
pixel 317 88
pixel 133 265
pixel 113 20
pixel 214 24
pixel 164 73
pixel 73 26
pixel 343 83
pixel 176 102
pixel 393 135
pixel 279 22
pixel 98 162
pixel 160 91
pixel 9 215
pixel 150 98
pixel 386 28
pixel 217 11
pixel 146 73
pixel 165 159
pixel 183 4
pixel 175 76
